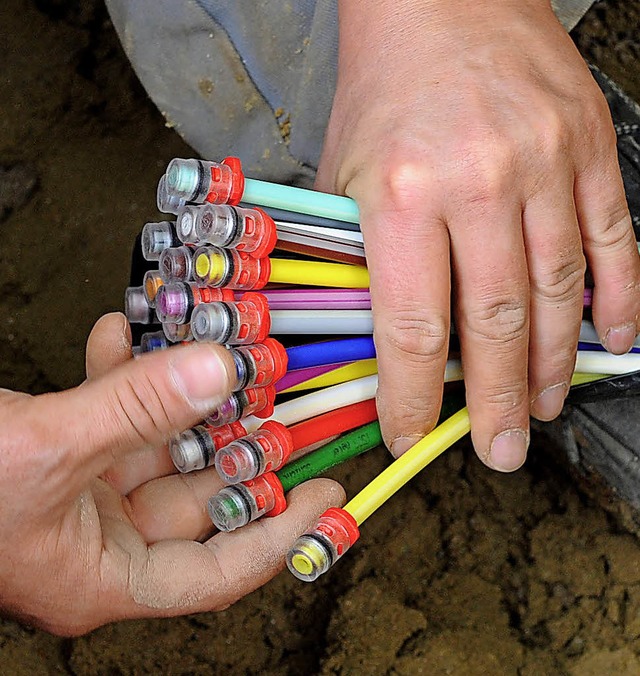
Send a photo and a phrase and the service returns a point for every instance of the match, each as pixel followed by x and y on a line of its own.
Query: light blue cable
pixel 311 202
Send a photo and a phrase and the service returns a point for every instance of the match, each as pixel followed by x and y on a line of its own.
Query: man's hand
pixel 96 525
pixel 482 156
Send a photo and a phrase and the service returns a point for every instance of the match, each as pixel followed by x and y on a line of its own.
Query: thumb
pixel 138 404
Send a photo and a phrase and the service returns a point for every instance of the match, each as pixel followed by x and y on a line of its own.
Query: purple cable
pixel 318 299
pixel 292 378
pixel 588 297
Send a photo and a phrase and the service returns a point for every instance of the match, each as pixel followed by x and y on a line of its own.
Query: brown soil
pixel 464 572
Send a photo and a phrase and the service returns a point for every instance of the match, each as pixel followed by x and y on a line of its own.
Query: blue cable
pixel 331 352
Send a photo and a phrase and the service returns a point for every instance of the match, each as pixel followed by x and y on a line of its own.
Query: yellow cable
pixel 582 378
pixel 418 457
pixel 407 466
pixel 342 374
pixel 315 273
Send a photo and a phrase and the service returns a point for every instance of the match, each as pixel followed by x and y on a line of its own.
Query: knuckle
pixel 506 395
pixel 563 282
pixel 499 320
pixel 486 176
pixel 615 231
pixel 406 184
pixel 418 336
pixel 552 138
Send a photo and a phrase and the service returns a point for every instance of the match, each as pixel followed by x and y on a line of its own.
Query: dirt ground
pixel 464 572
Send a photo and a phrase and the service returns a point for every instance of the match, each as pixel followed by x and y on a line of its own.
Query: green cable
pixel 290 198
pixel 334 453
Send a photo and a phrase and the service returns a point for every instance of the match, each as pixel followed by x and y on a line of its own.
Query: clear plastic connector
pixel 259 365
pixel 230 268
pixel 153 341
pixel 175 302
pixel 258 401
pixel 136 306
pixel 195 448
pixel 177 333
pixel 186 223
pixel 156 237
pixel 176 264
pixel 314 552
pixel 249 230
pixel 266 450
pixel 151 283
pixel 166 202
pixel 236 506
pixel 233 323
pixel 199 181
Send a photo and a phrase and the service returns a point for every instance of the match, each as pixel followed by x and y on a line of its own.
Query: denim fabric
pixel 252 77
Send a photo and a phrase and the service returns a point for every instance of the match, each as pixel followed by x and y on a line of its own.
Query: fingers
pixel 175 506
pixel 610 246
pixel 492 320
pixel 138 468
pixel 109 344
pixel 138 404
pixel 408 255
pixel 556 273
pixel 175 577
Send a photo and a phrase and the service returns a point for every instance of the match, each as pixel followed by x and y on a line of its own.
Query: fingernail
pixel 403 444
pixel 548 404
pixel 201 375
pixel 619 339
pixel 508 450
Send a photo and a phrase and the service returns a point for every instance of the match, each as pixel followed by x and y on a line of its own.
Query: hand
pixel 482 157
pixel 96 525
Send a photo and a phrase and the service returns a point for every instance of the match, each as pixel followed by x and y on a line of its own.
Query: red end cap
pixel 237 184
pixel 221 436
pixel 278 494
pixel 269 242
pixel 238 429
pixel 227 295
pixel 265 272
pixel 282 434
pixel 280 358
pixel 267 410
pixel 346 520
pixel 261 302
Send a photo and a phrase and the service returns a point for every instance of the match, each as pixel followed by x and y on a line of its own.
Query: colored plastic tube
pixel 318 299
pixel 303 201
pixel 292 379
pixel 334 453
pixel 319 273
pixel 321 322
pixel 333 376
pixel 331 352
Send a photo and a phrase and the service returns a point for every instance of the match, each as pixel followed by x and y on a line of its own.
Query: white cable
pixel 331 398
pixel 329 322
pixel 605 363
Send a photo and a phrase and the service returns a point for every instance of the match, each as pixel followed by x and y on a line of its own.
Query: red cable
pixel 335 422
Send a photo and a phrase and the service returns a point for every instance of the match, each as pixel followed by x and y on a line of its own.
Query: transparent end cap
pixel 172 304
pixel 151 283
pixel 228 509
pixel 237 462
pixel 176 264
pixel 156 237
pixel 166 202
pixel 150 342
pixel 210 321
pixel 184 179
pixel 309 558
pixel 136 307
pixel 177 333
pixel 211 265
pixel 186 225
pixel 190 451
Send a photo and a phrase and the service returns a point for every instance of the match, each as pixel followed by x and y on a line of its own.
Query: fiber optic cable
pixel 331 352
pixel 294 378
pixel 333 376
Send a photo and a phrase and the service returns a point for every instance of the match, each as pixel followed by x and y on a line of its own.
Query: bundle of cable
pixel 217 281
